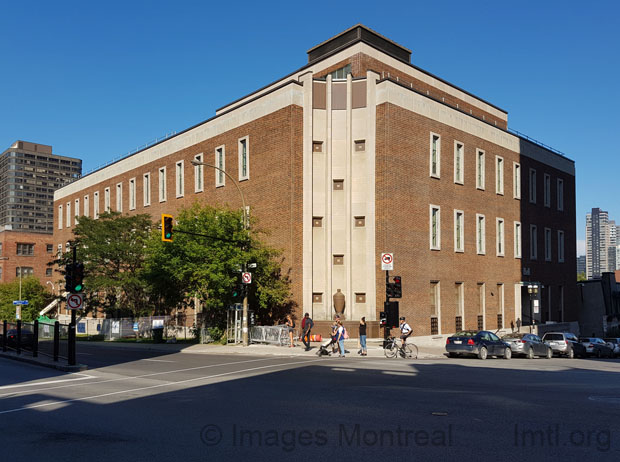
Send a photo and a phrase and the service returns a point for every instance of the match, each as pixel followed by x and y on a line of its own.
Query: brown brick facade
pixel 38 261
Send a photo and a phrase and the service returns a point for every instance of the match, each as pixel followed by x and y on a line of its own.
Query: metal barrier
pixel 274 335
pixel 35 338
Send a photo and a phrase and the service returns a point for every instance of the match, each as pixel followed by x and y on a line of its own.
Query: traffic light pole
pixel 387 328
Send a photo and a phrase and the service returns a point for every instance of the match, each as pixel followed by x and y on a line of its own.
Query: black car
pixel 479 343
pixel 11 338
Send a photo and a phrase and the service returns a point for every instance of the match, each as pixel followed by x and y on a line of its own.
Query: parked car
pixel 615 344
pixel 564 344
pixel 528 345
pixel 596 347
pixel 11 338
pixel 479 343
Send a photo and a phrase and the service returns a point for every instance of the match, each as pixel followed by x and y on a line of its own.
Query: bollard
pixel 35 339
pixel 19 337
pixel 4 336
pixel 56 340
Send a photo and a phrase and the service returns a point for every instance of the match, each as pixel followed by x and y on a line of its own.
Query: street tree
pixel 37 295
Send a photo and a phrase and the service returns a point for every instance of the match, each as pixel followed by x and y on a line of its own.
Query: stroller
pixel 324 349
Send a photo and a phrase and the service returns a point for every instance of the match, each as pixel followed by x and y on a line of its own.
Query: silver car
pixel 614 343
pixel 528 345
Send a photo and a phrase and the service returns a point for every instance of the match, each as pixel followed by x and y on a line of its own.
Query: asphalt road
pixel 143 405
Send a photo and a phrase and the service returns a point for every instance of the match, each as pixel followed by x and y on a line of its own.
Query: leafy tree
pixel 581 277
pixel 37 295
pixel 113 250
pixel 210 247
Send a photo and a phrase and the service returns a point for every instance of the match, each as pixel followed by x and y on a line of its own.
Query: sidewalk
pixel 44 361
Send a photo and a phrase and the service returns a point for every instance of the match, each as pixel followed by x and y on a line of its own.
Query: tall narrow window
pixel 76 211
pixel 479 169
pixel 561 246
pixel 244 159
pixel 68 210
pixel 435 228
pixel 146 189
pixel 60 217
pixel 560 194
pixel 162 184
pixel 458 162
pixel 86 205
pixel 460 305
pixel 516 181
pixel 459 240
pixel 517 243
pixel 499 175
pixel 119 197
pixel 180 179
pixel 435 155
pixel 532 186
pixel 435 307
pixel 547 244
pixel 199 174
pixel 533 242
pixel 96 205
pixel 480 234
pixel 547 190
pixel 220 162
pixel 481 305
pixel 132 194
pixel 500 237
pixel 500 306
pixel 106 200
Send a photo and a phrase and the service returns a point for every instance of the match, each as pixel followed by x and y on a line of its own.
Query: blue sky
pixel 96 80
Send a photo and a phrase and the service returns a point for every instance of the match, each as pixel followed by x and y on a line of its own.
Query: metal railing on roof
pixel 532 140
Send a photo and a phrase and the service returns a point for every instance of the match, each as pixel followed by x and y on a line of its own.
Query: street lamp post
pixel 244 325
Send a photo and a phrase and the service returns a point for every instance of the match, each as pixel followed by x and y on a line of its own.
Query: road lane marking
pixel 159 360
pixel 167 384
pixel 33 384
pixel 140 376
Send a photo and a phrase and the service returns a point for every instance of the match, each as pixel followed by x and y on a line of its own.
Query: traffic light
pixel 237 290
pixel 166 227
pixel 389 290
pixel 382 319
pixel 397 288
pixel 69 277
pixel 78 277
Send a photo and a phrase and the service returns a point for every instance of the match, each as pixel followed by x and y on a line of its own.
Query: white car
pixel 614 343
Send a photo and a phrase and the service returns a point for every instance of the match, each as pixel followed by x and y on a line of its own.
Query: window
pixel 199 174
pixel 180 179
pixel 68 214
pixel 435 155
pixel 86 205
pixel 532 186
pixel 162 184
pixel 132 194
pixel 499 236
pixel 25 271
pixel 516 185
pixel 60 217
pixel 76 211
pixel 547 244
pixel 561 246
pixel 244 159
pixel 106 200
pixel 459 240
pixel 435 306
pixel 560 194
pixel 96 205
pixel 25 249
pixel 480 234
pixel 458 162
pixel 499 175
pixel 146 189
pixel 460 300
pixel 479 169
pixel 435 228
pixel 500 306
pixel 49 248
pixel 533 242
pixel 547 190
pixel 481 305
pixel 341 74
pixel 59 251
pixel 517 243
pixel 220 162
pixel 119 197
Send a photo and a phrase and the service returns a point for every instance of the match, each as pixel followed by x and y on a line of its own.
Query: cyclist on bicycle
pixel 405 331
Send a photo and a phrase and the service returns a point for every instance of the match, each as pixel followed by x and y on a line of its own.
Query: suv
pixel 596 347
pixel 564 344
pixel 615 344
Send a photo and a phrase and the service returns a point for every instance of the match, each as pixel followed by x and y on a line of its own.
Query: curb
pixel 38 362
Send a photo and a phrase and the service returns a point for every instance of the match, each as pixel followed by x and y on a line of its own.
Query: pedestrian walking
pixel 363 351
pixel 306 327
pixel 340 337
pixel 290 323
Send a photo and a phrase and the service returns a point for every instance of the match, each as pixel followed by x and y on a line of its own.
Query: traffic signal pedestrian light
pixel 166 227
pixel 397 288
pixel 69 277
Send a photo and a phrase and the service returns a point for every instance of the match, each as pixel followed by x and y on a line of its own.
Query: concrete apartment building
pixel 360 152
pixel 29 175
pixel 601 243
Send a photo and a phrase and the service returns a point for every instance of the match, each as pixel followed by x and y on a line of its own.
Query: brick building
pixel 360 152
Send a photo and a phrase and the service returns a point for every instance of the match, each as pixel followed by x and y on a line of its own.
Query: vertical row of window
pixel 546 190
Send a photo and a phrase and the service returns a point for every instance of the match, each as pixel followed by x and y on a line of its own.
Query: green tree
pixel 210 247
pixel 113 250
pixel 37 295
pixel 581 277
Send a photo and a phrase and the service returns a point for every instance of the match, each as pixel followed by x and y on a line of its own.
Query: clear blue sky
pixel 96 80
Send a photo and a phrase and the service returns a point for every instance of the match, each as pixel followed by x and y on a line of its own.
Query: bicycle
pixel 391 349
